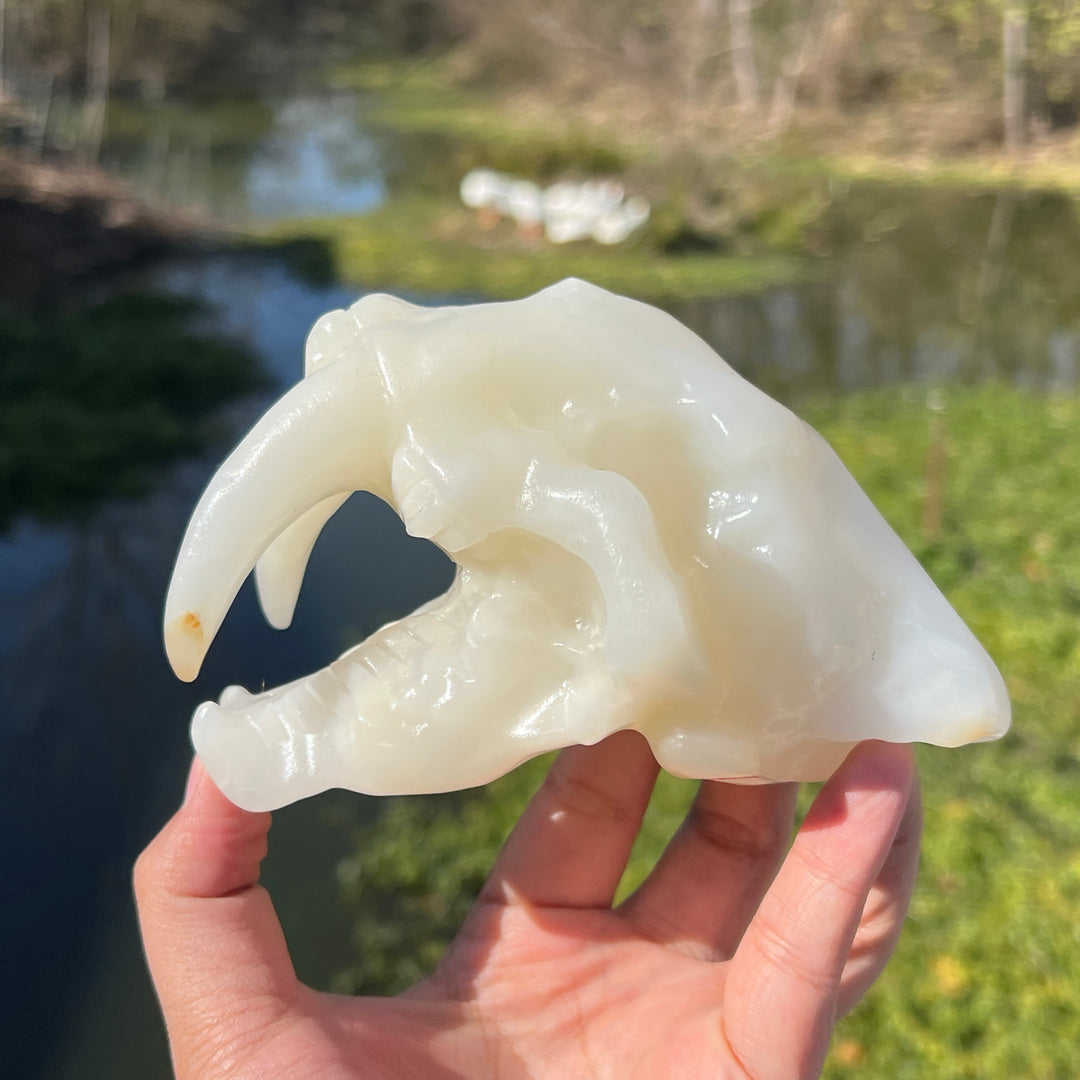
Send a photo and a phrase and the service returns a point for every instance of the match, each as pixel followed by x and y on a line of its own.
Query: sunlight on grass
pixel 983 984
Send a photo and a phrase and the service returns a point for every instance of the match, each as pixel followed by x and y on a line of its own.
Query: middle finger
pixel 702 894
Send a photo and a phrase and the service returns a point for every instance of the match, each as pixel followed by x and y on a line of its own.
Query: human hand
pixel 731 960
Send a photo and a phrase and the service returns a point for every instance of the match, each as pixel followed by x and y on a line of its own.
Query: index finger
pixel 213 943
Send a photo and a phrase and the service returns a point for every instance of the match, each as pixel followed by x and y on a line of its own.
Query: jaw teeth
pixel 279 573
pixel 403 690
pixel 643 540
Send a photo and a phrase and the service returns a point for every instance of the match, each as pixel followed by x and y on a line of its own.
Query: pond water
pixel 93 744
pixel 916 288
pixel 247 160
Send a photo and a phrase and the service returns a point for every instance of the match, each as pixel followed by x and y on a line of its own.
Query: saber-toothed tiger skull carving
pixel 643 540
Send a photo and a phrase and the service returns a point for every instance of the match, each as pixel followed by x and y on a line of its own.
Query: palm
pixel 573 989
pixel 552 998
pixel 719 965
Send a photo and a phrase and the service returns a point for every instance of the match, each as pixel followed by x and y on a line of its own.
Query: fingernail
pixel 194 777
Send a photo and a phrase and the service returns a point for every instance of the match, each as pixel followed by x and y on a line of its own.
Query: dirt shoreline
pixel 63 223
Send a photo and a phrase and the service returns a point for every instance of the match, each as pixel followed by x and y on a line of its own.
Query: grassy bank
pixel 983 984
pixel 434 245
pixel 1048 172
pixel 424 239
pixel 65 223
pixel 753 234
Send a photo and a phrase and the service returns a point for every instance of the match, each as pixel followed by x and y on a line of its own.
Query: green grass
pixel 434 245
pixel 984 984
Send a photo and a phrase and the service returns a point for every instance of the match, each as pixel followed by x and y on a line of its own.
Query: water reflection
pixel 93 742
pixel 94 739
pixel 89 732
pixel 316 160
pixel 247 159
pixel 93 400
pixel 919 286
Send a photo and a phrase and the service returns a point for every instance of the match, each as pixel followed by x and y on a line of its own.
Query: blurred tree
pixel 743 64
pixel 967 71
pixel 1014 54
pixel 997 66
pixel 146 41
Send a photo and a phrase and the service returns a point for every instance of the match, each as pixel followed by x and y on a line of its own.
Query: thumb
pixel 213 942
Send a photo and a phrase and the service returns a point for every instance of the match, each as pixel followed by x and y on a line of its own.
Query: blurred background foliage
pixel 870 208
pixel 93 402
pixel 910 76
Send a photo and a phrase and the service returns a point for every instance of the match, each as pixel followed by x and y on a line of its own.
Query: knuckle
pixel 144 874
pixel 833 880
pixel 730 835
pixel 781 952
pixel 581 796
